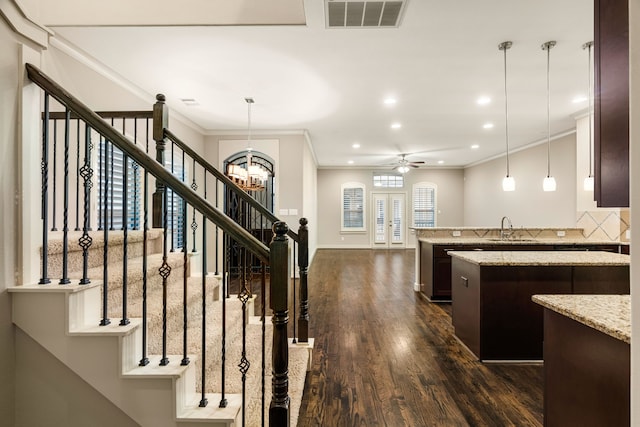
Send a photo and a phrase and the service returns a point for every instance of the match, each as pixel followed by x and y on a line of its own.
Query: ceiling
pixel 331 82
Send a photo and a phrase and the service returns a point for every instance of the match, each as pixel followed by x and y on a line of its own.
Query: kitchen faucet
pixel 505 233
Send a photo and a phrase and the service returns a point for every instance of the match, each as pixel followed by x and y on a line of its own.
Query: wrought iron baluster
pixel 263 320
pixel 125 236
pixel 194 224
pixel 102 147
pixel 203 400
pixel 185 260
pixel 136 181
pixel 77 175
pixel 223 343
pixel 105 250
pixel 55 173
pixel 44 170
pixel 86 172
pixel 165 271
pixel 217 231
pixel 144 361
pixel 293 264
pixel 173 228
pixel 244 296
pixel 64 280
pixel 111 170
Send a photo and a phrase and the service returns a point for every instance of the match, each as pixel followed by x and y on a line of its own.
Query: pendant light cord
pixel 547 46
pixel 503 47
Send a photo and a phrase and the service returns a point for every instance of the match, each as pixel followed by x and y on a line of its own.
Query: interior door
pixel 389 213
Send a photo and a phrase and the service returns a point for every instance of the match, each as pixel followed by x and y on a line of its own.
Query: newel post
pixel 160 123
pixel 303 264
pixel 279 304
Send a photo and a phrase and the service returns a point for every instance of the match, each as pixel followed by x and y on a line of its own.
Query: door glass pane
pixel 380 220
pixel 397 221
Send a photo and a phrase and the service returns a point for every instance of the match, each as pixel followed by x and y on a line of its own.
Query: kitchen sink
pixel 497 239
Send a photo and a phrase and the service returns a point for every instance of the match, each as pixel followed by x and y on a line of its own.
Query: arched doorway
pixel 240 211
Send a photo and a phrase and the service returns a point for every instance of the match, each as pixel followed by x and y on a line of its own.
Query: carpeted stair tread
pixel 95 252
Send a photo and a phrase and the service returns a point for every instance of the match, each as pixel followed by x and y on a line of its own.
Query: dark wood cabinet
pixel 492 311
pixel 435 261
pixel 582 387
pixel 611 103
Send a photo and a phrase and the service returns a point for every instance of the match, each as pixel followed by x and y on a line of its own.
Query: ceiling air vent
pixel 363 14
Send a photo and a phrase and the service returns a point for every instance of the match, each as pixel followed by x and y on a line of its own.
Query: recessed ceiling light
pixel 350 162
pixel 396 126
pixel 356 145
pixel 487 125
pixel 440 162
pixel 475 146
pixel 483 100
pixel 189 101
pixel 390 101
pixel 580 98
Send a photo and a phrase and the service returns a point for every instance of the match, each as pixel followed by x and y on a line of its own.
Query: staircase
pixel 72 333
pixel 151 329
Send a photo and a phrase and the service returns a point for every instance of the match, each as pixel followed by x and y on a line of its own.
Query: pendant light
pixel 549 183
pixel 588 181
pixel 508 182
pixel 252 178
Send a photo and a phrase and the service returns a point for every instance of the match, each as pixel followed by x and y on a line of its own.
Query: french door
pixel 389 215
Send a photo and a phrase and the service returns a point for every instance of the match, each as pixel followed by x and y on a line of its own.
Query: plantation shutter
pixel 424 206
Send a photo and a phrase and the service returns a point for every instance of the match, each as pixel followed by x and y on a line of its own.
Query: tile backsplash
pixel 605 224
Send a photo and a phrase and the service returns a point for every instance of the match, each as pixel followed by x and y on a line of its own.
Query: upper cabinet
pixel 611 113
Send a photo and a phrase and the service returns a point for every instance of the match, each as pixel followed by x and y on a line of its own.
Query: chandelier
pixel 254 176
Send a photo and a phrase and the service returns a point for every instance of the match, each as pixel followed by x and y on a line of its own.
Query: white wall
pixel 10 77
pixel 450 203
pixel 529 206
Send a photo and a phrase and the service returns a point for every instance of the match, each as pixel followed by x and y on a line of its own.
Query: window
pixel 353 207
pixel 424 204
pixel 115 193
pixel 175 212
pixel 115 189
pixel 388 180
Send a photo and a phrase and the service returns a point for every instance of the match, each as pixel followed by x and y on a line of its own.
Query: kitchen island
pixel 587 342
pixel 492 311
pixel 433 263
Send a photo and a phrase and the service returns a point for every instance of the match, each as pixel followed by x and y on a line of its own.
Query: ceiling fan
pixel 405 165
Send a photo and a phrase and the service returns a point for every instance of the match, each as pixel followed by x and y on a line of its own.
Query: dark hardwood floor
pixel 383 356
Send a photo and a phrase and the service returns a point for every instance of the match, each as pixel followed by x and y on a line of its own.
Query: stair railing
pixel 251 207
pixel 275 256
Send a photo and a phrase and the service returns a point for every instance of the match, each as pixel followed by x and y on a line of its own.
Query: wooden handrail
pixel 150 164
pixel 226 181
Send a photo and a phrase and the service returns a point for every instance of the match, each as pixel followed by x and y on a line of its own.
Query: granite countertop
pixel 610 314
pixel 524 241
pixel 543 258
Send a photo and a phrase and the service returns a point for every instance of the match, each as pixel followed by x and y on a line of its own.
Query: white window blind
pixel 115 190
pixel 396 234
pixel 175 213
pixel 353 205
pixel 424 205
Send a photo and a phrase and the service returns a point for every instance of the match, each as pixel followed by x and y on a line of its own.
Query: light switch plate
pixel 283 211
pixel 456 233
pixel 560 233
pixel 293 211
